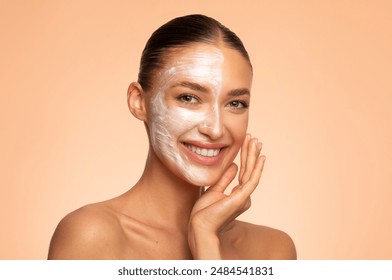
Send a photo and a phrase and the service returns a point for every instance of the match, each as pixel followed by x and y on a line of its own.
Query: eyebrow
pixel 239 92
pixel 198 87
pixel 191 85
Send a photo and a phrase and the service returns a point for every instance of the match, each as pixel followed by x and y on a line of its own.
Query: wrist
pixel 204 245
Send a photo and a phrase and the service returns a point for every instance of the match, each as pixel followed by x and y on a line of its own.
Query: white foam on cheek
pixel 170 123
pixel 165 131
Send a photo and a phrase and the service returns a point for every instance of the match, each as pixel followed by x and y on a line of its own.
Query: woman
pixel 193 94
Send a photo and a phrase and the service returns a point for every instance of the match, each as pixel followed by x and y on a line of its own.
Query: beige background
pixel 322 105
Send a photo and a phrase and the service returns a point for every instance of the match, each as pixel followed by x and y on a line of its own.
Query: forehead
pixel 195 53
pixel 196 61
pixel 205 63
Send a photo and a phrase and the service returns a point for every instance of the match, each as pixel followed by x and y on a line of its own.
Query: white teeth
pixel 203 152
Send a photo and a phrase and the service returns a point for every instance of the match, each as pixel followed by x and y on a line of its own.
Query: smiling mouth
pixel 202 151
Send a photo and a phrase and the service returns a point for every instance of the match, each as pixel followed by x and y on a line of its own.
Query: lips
pixel 202 151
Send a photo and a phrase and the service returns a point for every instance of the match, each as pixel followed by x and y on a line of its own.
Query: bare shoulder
pixel 250 241
pixel 85 234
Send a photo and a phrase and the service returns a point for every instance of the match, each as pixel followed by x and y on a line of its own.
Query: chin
pixel 201 178
pixel 202 183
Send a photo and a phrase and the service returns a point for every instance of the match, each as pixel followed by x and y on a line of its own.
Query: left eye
pixel 238 104
pixel 188 98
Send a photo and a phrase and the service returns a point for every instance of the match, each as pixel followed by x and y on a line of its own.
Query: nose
pixel 212 125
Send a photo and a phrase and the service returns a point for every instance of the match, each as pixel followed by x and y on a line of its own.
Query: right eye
pixel 188 98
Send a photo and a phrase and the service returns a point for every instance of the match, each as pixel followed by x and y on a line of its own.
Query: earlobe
pixel 136 101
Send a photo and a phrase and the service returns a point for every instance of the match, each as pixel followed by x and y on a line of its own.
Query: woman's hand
pixel 215 210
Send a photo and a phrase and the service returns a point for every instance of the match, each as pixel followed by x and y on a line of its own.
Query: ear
pixel 136 101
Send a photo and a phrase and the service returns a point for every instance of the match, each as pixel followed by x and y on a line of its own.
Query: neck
pixel 166 200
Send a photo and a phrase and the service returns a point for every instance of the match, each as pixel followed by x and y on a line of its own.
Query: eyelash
pixel 242 103
pixel 183 98
pixel 193 99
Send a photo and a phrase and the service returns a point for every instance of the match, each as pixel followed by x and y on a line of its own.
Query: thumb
pixel 227 177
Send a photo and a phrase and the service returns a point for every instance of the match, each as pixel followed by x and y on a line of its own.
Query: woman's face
pixel 198 111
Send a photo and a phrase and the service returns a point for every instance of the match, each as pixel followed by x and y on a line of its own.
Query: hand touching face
pixel 214 211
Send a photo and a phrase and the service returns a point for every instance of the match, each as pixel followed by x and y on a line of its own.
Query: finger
pixel 248 188
pixel 253 154
pixel 239 199
pixel 240 194
pixel 244 153
pixel 259 146
pixel 226 179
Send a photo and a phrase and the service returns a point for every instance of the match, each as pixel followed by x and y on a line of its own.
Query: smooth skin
pixel 165 217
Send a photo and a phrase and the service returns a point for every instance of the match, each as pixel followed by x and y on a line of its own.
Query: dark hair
pixel 180 32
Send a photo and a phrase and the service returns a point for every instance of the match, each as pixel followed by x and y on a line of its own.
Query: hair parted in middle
pixel 180 32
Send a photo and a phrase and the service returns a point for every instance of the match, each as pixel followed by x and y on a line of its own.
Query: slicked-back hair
pixel 180 32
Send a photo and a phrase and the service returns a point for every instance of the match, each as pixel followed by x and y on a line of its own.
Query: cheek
pixel 182 120
pixel 238 126
pixel 169 123
pixel 159 122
